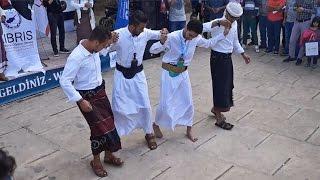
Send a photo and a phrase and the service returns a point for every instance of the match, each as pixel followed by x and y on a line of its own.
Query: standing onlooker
pixel 311 34
pixel 84 18
pixel 263 22
pixel 196 10
pixel 214 9
pixel 55 18
pixel 289 18
pixel 275 19
pixel 177 15
pixel 250 12
pixel 304 9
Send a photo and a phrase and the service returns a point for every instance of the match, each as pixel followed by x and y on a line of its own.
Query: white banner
pixel 19 37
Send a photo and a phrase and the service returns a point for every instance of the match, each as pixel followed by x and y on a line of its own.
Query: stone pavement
pixel 276 134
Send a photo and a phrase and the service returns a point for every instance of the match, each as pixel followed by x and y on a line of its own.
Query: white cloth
pixel 80 4
pixel 228 45
pixel 175 44
pixel 130 97
pixel 83 69
pixel 176 106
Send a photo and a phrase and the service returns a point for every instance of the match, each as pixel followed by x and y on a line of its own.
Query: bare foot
pixel 190 136
pixel 157 131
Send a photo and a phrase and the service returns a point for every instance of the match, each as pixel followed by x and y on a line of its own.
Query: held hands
pixel 85 106
pixel 114 37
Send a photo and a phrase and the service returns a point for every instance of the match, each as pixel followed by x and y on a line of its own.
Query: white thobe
pixel 130 97
pixel 176 105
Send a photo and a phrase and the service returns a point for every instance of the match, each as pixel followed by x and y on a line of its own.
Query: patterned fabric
pixel 309 9
pixel 104 135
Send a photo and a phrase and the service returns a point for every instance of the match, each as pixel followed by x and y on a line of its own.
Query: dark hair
pixel 315 19
pixel 7 164
pixel 137 17
pixel 100 33
pixel 195 26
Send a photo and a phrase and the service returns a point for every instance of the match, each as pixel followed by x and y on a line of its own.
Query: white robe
pixel 176 105
pixel 130 97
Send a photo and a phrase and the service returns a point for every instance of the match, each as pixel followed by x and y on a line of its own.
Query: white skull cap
pixel 234 9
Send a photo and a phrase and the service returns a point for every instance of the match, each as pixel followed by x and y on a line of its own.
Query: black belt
pixel 220 54
pixel 129 73
pixel 91 92
pixel 304 20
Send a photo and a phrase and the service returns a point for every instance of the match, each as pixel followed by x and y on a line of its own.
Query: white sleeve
pixel 69 73
pixel 157 47
pixel 152 34
pixel 76 5
pixel 206 43
pixel 237 48
pixel 207 27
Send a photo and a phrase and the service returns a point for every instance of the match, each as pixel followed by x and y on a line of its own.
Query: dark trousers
pixel 56 21
pixel 250 24
pixel 263 21
pixel 288 30
pixel 274 29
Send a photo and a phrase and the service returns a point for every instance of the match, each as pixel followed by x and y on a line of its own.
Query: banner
pixel 20 42
pixel 29 85
pixel 123 14
pixel 40 14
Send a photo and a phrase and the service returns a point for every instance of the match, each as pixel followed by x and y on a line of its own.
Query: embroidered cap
pixel 234 9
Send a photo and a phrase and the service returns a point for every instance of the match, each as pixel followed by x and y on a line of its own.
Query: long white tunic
pixel 176 105
pixel 130 97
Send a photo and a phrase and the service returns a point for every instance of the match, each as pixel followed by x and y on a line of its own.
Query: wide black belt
pixel 92 92
pixel 129 73
pixel 220 54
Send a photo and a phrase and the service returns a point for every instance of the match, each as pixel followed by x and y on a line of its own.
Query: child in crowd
pixel 312 34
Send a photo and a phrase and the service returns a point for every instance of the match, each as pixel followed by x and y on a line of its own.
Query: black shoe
pixel 288 59
pixel 268 51
pixel 251 43
pixel 64 51
pixel 55 53
pixel 299 62
pixel 276 52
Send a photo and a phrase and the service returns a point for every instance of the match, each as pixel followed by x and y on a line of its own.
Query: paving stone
pixel 244 174
pixel 26 147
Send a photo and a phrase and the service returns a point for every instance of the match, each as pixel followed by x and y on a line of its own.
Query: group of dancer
pixel 130 108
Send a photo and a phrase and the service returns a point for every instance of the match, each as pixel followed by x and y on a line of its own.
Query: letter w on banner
pixel 20 42
pixel 123 14
pixel 40 14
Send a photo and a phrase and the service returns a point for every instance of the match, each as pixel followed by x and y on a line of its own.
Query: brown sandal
pixel 98 169
pixel 151 141
pixel 113 161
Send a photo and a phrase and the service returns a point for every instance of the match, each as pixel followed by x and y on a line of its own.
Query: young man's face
pixel 231 18
pixel 190 35
pixel 138 29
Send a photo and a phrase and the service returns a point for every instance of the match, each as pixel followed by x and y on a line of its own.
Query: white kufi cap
pixel 234 9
